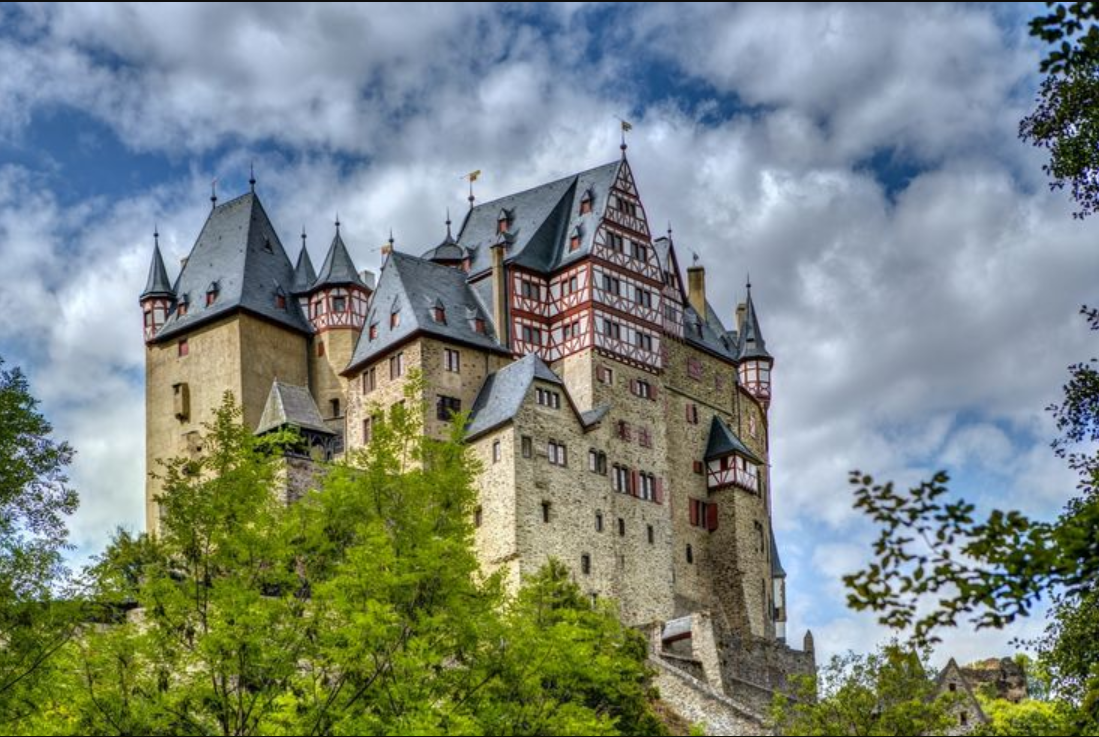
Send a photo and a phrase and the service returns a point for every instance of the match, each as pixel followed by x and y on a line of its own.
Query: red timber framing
pixel 732 470
pixel 155 311
pixel 338 307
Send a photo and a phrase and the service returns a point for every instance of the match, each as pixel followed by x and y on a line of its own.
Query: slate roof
pixel 239 251
pixel 414 286
pixel 751 340
pixel 503 393
pixel 157 285
pixel 541 220
pixel 713 336
pixel 291 406
pixel 777 571
pixel 448 250
pixel 338 269
pixel 304 275
pixel 724 441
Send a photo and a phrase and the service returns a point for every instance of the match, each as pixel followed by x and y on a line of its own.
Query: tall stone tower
pixel 226 325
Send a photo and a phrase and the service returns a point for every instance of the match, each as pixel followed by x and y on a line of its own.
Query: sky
pixel 916 279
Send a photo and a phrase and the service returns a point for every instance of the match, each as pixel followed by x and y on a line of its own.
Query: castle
pixel 622 427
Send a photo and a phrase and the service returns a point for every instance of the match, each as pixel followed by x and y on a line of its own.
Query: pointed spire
pixel 214 193
pixel 391 239
pixel 157 284
pixel 669 230
pixel 338 268
pixel 752 344
pixel 252 176
pixel 449 237
pixel 304 274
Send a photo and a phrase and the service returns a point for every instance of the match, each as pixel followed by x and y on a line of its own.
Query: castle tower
pixel 337 305
pixel 156 300
pixel 231 329
pixel 755 361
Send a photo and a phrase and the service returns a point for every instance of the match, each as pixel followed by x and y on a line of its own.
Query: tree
pixel 35 499
pixel 1066 120
pixel 359 609
pixel 888 692
pixel 1028 717
pixel 995 570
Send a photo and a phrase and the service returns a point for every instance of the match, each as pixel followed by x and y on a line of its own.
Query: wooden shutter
pixel 635 486
pixel 694 513
pixel 711 517
pixel 658 493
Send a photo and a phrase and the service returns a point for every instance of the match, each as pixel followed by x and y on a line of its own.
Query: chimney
pixel 499 293
pixel 696 289
pixel 741 311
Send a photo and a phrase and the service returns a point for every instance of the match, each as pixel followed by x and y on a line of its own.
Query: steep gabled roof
pixel 338 268
pixel 304 275
pixel 503 393
pixel 708 334
pixel 291 406
pixel 751 337
pixel 724 441
pixel 541 220
pixel 157 285
pixel 239 251
pixel 413 287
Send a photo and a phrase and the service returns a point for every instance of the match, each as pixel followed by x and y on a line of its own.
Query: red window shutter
pixel 652 392
pixel 634 485
pixel 711 517
pixel 694 513
pixel 698 466
pixel 658 494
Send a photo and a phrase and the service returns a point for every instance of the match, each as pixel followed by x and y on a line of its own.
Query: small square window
pixel 183 349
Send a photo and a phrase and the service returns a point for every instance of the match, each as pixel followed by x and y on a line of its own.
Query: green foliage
pixel 1066 119
pixel 889 692
pixel 360 609
pixel 995 570
pixel 35 499
pixel 1028 717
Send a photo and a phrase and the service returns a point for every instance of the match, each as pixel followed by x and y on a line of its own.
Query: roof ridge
pixel 574 175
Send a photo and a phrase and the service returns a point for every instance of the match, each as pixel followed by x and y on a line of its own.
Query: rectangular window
pixel 615 242
pixel 546 398
pixel 598 521
pixel 370 380
pixel 585 564
pixel 396 366
pixel 452 360
pixel 621 527
pixel 479 325
pixel 335 407
pixel 597 462
pixel 694 369
pixel 698 468
pixel 644 341
pixel 692 413
pixel 478 517
pixel 367 429
pixel 532 335
pixel 280 301
pixel 496 451
pixel 447 407
pixel 611 284
pixel 639 251
pixel 759 535
pixel 611 329
pixel 528 446
pixel 557 453
pixel 647 490
pixel 651 534
pixel 621 479
pixel 545 512
pixel 624 432
pixel 373 331
pixel 604 374
pixel 703 514
pixel 644 437
pixel 642 388
pixel 339 304
pixel 643 297
pixel 394 320
pixel 182 348
pixel 530 290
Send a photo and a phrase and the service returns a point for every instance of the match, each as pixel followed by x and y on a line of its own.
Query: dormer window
pixel 181 309
pixel 280 299
pixel 574 239
pixel 211 293
pixel 502 221
pixel 586 202
pixel 439 314
pixel 394 319
pixel 267 245
pixel 373 331
pixel 479 325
